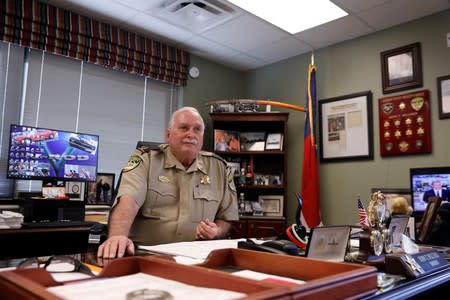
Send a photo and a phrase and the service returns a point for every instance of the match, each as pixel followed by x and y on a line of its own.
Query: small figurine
pixel 377 209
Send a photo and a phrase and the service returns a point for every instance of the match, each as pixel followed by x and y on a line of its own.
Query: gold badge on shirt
pixel 204 179
pixel 164 179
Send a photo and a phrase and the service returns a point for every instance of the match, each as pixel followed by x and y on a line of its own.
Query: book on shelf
pixel 226 140
pixel 274 141
pixel 253 141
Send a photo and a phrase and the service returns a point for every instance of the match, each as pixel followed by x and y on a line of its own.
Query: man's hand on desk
pixel 116 246
pixel 206 230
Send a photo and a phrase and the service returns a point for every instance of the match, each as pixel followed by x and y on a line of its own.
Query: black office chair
pixel 151 145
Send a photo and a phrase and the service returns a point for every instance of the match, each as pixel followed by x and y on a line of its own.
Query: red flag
pixel 363 219
pixel 310 212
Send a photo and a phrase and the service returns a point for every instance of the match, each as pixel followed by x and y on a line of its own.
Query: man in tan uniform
pixel 175 193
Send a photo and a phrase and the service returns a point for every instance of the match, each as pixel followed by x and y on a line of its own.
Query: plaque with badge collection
pixel 405 124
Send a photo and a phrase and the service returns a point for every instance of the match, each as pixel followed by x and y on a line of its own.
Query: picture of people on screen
pixel 436 191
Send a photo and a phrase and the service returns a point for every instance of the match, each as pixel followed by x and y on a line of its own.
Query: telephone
pixel 274 246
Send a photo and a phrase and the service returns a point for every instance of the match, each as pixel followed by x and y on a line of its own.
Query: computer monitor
pixel 421 180
pixel 37 153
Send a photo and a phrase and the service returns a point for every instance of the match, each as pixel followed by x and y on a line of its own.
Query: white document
pixel 118 287
pixel 266 277
pixel 195 252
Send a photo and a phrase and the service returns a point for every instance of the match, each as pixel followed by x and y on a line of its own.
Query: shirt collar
pixel 172 162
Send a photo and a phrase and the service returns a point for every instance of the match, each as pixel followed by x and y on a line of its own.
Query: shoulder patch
pixel 230 180
pixel 132 163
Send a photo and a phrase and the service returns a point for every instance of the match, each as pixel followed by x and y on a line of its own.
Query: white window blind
pixel 11 62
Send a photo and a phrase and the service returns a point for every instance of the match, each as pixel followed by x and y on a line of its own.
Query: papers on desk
pixel 191 252
pixel 10 219
pixel 119 287
pixel 268 278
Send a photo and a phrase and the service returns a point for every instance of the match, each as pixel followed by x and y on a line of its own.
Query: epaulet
pixel 147 149
pixel 211 154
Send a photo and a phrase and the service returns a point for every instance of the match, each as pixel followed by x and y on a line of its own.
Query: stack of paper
pixel 10 219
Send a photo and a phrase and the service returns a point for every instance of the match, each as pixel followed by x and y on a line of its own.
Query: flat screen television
pixel 421 180
pixel 49 154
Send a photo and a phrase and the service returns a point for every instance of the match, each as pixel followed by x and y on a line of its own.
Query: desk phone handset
pixel 273 246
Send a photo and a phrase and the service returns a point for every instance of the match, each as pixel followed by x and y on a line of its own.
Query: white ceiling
pixel 226 34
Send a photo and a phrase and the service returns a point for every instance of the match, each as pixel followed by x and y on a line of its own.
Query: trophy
pixel 377 237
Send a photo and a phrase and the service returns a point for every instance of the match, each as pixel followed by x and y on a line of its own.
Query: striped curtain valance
pixel 33 24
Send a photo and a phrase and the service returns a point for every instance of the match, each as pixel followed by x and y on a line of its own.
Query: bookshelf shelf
pixel 269 167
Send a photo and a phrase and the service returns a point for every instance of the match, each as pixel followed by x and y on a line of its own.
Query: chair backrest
pixel 428 219
pixel 151 145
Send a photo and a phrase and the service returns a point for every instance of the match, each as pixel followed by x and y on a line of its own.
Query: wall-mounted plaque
pixel 405 124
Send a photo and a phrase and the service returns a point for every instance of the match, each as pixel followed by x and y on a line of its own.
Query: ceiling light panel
pixel 292 16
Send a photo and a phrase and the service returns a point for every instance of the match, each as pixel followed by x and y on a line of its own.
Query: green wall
pixel 342 69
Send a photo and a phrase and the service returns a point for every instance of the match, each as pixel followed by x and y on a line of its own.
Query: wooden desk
pixel 30 242
pixel 429 286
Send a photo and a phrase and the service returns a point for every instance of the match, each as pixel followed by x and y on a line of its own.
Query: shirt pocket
pixel 205 203
pixel 161 202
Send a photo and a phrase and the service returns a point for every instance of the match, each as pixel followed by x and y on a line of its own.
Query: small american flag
pixel 363 220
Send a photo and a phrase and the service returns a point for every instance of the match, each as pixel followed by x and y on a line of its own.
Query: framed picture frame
pixel 443 88
pixel 401 68
pixel 272 205
pixel 75 190
pixel 226 141
pixel 328 243
pixel 253 141
pixel 235 167
pixel 101 192
pixel 345 125
pixel 428 218
pixel 274 141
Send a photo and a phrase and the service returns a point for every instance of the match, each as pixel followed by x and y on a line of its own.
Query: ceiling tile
pixel 356 6
pixel 157 28
pixel 242 62
pixel 113 13
pixel 245 33
pixel 142 5
pixel 204 47
pixel 280 50
pixel 333 32
pixel 387 15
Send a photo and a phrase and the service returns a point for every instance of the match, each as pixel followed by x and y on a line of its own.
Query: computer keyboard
pixel 52 224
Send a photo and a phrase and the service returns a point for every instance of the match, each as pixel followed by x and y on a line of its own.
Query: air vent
pixel 196 16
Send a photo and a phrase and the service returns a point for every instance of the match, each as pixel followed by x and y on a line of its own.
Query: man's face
pixel 185 138
pixel 437 185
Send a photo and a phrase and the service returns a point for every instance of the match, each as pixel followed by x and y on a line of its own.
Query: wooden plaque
pixel 405 124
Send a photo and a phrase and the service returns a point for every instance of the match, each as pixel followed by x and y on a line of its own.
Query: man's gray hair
pixel 193 110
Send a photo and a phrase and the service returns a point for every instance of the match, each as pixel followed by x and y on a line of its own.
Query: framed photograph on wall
pixel 443 88
pixel 345 125
pixel 101 192
pixel 401 68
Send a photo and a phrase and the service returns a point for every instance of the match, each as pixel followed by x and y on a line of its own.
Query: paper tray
pixel 324 280
pixel 32 283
